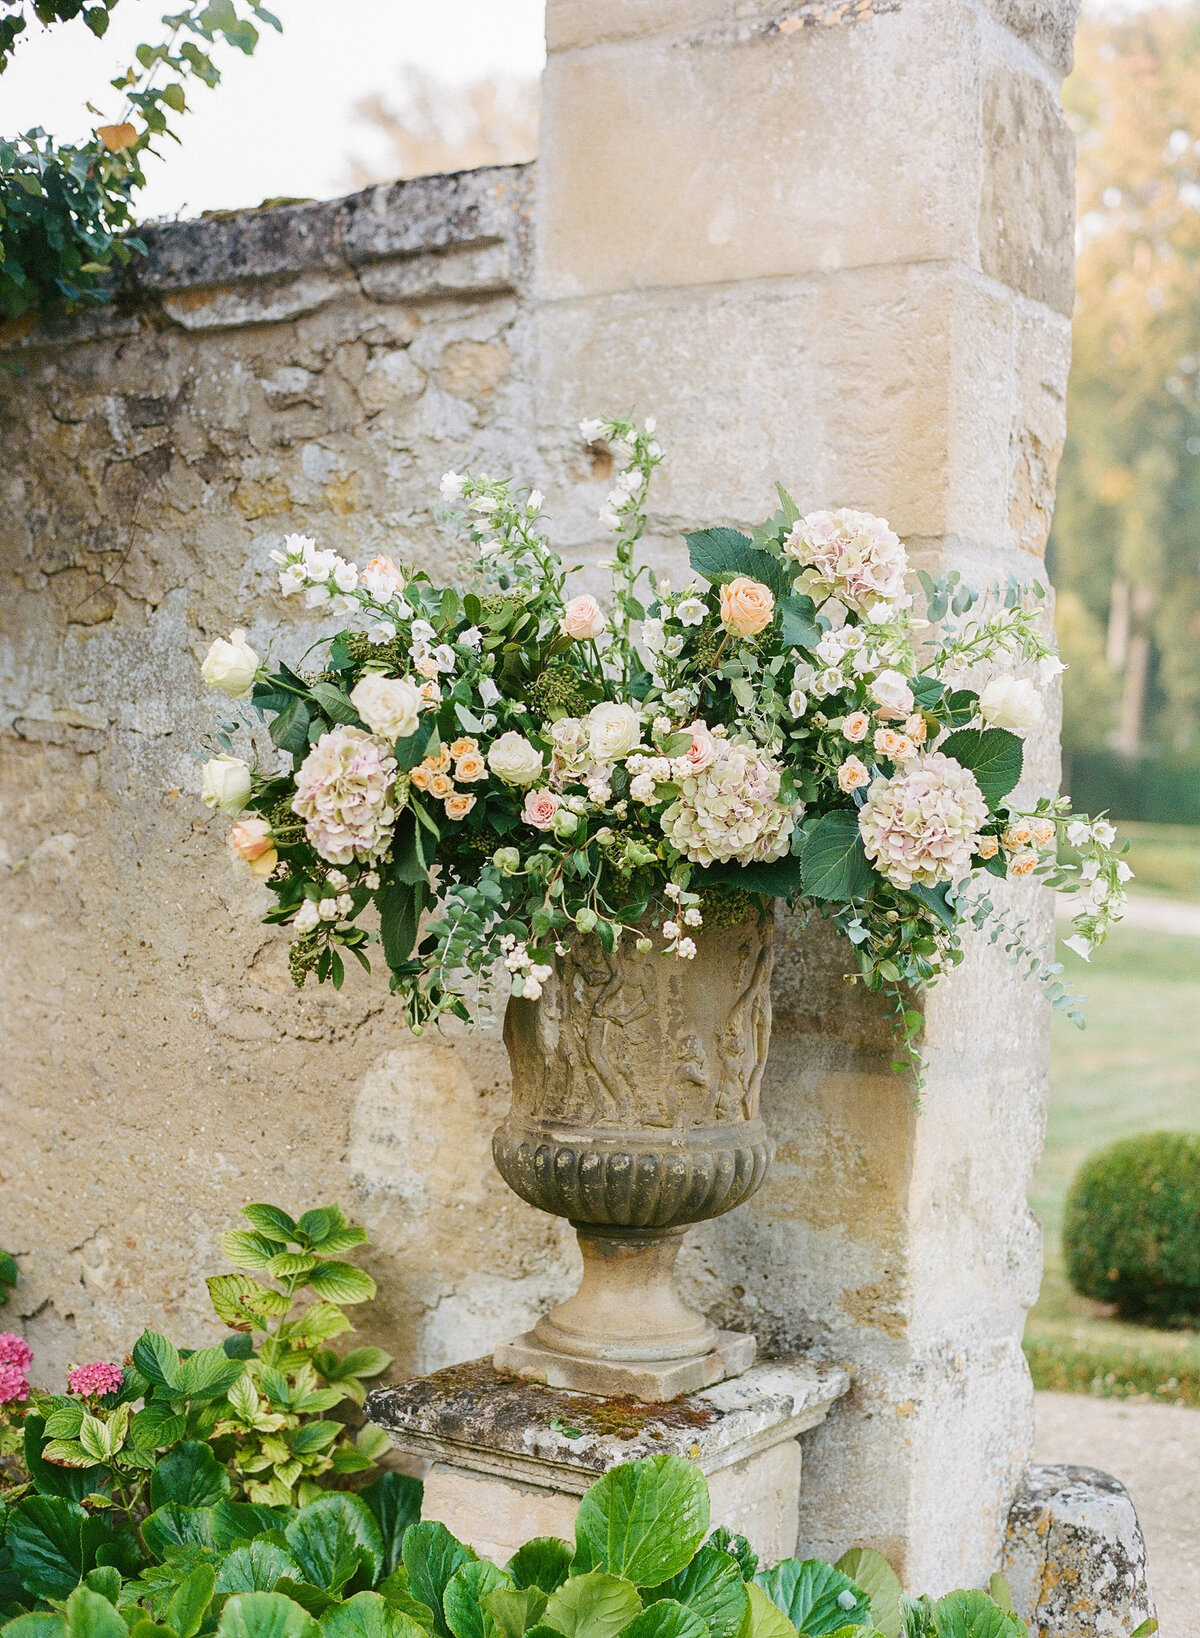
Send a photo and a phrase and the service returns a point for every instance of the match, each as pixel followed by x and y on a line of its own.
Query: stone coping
pixel 475 1417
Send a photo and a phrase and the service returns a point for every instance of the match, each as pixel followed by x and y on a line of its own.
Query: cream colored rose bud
pixel 231 665
pixel 225 784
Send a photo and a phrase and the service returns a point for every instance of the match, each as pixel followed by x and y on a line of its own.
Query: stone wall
pixel 317 368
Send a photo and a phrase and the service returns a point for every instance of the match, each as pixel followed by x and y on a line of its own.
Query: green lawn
pixel 1136 1068
pixel 1165 858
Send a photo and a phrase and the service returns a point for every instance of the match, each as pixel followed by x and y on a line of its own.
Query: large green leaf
pixel 872 1572
pixel 543 1561
pixel 209 1373
pixel 265 1615
pixel 333 702
pixel 335 1540
pixel 666 1619
pixel 189 1475
pixel 595 1605
pixel 400 905
pixel 36 1624
pixel 72 1483
pixel 763 1619
pixel 367 1615
pixel 341 1283
pixel 157 1358
pixel 190 1600
pixel 289 729
pixel 712 1587
pixel 514 1611
pixel 256 1568
pixel 396 1590
pixel 643 1520
pixel 722 554
pixel 53 1544
pixel 91 1615
pixel 816 1598
pixel 993 755
pixel 799 628
pixel 833 864
pixel 271 1221
pixel 174 1526
pixel 974 1615
pixel 738 1549
pixel 465 1615
pixel 395 1500
pixel 431 1557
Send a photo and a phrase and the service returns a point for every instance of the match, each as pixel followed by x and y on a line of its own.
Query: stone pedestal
pixel 512 1458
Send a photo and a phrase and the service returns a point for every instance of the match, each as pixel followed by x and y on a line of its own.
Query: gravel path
pixel 1155 1452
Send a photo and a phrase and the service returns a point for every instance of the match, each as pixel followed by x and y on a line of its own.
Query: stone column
pixel 832 244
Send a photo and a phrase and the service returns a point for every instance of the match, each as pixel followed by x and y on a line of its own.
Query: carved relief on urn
pixel 635 1113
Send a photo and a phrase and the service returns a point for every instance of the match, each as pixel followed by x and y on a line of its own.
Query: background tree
pixel 66 210
pixel 431 126
pixel 1125 548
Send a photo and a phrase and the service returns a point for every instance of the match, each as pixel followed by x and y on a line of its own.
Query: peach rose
pixel 852 775
pixel 746 606
pixel 420 777
pixel 988 847
pixel 583 618
pixel 1044 832
pixel 464 747
pixel 1021 864
pixel 885 741
pixel 1018 835
pixel 916 728
pixel 430 693
pixel 470 768
pixel 702 752
pixel 382 578
pixel 459 805
pixel 854 727
pixel 540 808
pixel 439 762
pixel 427 666
pixel 252 841
pixel 441 786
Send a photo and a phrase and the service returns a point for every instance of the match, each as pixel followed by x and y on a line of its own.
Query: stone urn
pixel 635 1112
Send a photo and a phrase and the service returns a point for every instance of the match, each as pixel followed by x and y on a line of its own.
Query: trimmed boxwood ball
pixel 1131 1230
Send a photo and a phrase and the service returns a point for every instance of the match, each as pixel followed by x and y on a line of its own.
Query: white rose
pixel 613 731
pixel 513 759
pixel 1011 702
pixel 389 706
pixel 890 690
pixel 231 666
pixel 225 784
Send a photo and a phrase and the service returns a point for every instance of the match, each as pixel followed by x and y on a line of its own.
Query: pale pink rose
pixel 540 808
pixel 892 695
pixel 427 666
pixel 854 727
pixel 252 841
pixel 582 618
pixel 382 578
pixel 885 741
pixel 852 775
pixel 747 606
pixel 701 753
pixel 916 728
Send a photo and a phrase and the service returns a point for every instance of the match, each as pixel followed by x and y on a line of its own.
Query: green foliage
pixel 66 210
pixel 643 1521
pixel 833 864
pixel 1131 1227
pixel 8 1276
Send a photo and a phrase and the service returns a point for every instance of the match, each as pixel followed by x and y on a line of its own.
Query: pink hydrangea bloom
pixel 923 826
pixel 730 809
pixel 13 1385
pixel 95 1378
pixel 14 1350
pixel 343 788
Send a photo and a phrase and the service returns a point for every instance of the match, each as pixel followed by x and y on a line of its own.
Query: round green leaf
pixel 643 1520
pixel 993 755
pixel 809 1591
pixel 461 1601
pixel 367 1615
pixel 833 864
pixel 872 1572
pixel 596 1605
pixel 265 1615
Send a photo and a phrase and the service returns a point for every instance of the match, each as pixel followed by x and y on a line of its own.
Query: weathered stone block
pixel 1047 25
pixel 1027 207
pixel 1074 1555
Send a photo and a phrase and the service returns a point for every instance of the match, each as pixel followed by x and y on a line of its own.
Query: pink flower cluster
pixel 923 826
pixel 729 808
pixel 849 555
pixel 343 788
pixel 98 1377
pixel 16 1356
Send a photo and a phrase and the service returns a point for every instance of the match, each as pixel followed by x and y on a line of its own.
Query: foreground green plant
pixel 643 1565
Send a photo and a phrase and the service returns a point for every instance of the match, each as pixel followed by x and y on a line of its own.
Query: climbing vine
pixel 66 210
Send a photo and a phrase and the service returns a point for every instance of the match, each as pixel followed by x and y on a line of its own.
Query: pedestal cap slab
pixel 481 1420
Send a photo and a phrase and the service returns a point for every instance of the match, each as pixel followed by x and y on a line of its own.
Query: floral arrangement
pixel 498 768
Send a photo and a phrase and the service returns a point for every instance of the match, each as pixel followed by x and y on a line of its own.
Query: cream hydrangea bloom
pixel 849 555
pixel 730 810
pixel 344 791
pixel 923 826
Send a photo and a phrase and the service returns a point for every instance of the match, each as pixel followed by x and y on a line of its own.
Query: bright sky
pixel 281 122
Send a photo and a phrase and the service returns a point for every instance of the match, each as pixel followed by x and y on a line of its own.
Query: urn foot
pixel 626 1330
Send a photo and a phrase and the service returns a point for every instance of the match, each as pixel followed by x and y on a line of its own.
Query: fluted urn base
pixel 635 1113
pixel 627 1330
